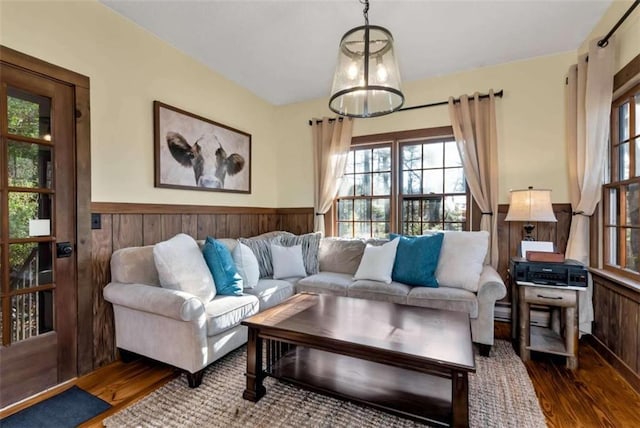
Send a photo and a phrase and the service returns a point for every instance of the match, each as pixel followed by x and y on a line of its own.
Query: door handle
pixel 64 249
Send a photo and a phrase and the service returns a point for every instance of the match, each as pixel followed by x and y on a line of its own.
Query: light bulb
pixel 381 72
pixel 352 71
pixel 46 137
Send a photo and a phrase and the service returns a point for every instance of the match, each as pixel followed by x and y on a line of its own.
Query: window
pixel 407 182
pixel 622 193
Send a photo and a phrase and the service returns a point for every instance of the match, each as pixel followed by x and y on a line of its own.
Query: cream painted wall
pixel 129 68
pixel 530 120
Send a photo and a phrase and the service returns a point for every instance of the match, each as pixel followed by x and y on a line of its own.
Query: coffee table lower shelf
pixel 416 395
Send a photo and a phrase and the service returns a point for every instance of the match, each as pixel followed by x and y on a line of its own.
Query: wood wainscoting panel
pixel 127 225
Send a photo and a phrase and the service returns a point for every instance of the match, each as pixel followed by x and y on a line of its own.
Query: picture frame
pixel 196 153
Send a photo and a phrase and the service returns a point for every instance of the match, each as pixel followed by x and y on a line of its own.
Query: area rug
pixel 67 409
pixel 500 395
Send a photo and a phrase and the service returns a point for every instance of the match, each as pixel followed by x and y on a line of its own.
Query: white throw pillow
pixel 377 262
pixel 246 264
pixel 461 259
pixel 287 262
pixel 181 266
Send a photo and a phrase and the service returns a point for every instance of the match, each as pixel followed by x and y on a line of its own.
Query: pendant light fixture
pixel 367 78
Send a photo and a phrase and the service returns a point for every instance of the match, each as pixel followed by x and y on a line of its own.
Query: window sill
pixel 618 279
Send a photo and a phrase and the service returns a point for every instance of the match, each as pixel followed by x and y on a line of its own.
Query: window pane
pixel 433 155
pixel 29 115
pixel 613 207
pixel 623 124
pixel 611 258
pixel 633 249
pixel 451 154
pixel 411 229
pixel 433 181
pixel 29 165
pixel 24 208
pixel 362 230
pixel 382 183
pixel 637 144
pixel 453 226
pixel 345 210
pixel 362 209
pixel 349 168
pixel 433 226
pixel 637 130
pixel 380 209
pixel 412 182
pixel 410 210
pixel 347 186
pixel 455 208
pixel 363 160
pixel 344 230
pixel 380 230
pixel 32 314
pixel 412 157
pixel 432 210
pixel 454 180
pixel 631 207
pixel 363 184
pixel 30 264
pixel 623 153
pixel 382 159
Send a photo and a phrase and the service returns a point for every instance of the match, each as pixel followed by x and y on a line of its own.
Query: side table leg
pixel 525 336
pixel 460 399
pixel 255 375
pixel 571 337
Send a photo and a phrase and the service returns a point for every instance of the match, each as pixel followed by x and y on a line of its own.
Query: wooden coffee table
pixel 407 360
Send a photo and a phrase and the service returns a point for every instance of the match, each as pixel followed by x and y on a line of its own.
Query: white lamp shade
pixel 531 205
pixel 367 79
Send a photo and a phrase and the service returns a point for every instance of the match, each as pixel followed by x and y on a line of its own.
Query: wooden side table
pixel 562 336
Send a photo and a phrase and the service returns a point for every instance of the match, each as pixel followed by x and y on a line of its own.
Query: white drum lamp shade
pixel 530 205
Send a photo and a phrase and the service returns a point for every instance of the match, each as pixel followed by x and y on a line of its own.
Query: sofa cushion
pixel 181 267
pixel 223 269
pixel 134 265
pixel 247 265
pixel 453 299
pixel 461 259
pixel 310 243
pixel 340 255
pixel 225 312
pixel 270 292
pixel 377 262
pixel 261 247
pixel 394 292
pixel 417 259
pixel 287 262
pixel 326 283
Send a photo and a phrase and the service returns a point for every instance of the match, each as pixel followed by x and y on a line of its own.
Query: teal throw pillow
pixel 220 262
pixel 417 259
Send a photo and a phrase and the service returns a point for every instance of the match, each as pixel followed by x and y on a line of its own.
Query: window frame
pixel 395 140
pixel 614 182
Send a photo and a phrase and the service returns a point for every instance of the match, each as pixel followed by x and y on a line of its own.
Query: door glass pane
pixel 451 154
pixel 433 153
pixel 29 214
pixel 29 165
pixel 624 160
pixel 32 314
pixel 623 122
pixel 433 181
pixel 453 180
pixel 632 199
pixel 29 115
pixel 30 265
pixel 432 210
pixel 633 249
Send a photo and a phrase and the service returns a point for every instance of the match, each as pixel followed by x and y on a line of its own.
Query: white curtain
pixel 589 96
pixel 474 127
pixel 331 143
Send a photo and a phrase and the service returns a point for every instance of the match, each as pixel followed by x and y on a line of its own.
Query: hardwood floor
pixel 595 395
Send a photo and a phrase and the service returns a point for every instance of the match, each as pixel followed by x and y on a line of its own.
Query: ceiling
pixel 285 51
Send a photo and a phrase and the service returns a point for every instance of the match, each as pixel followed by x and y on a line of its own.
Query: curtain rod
pixel 440 103
pixel 605 40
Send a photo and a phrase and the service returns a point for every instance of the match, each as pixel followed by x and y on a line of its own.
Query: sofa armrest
pixel 491 287
pixel 156 300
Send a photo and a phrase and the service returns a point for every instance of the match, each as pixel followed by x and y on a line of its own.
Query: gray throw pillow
pixel 310 246
pixel 261 247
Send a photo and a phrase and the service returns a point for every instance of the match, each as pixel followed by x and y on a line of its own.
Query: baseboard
pixel 621 367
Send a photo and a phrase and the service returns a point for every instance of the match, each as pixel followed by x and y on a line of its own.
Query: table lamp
pixel 530 205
